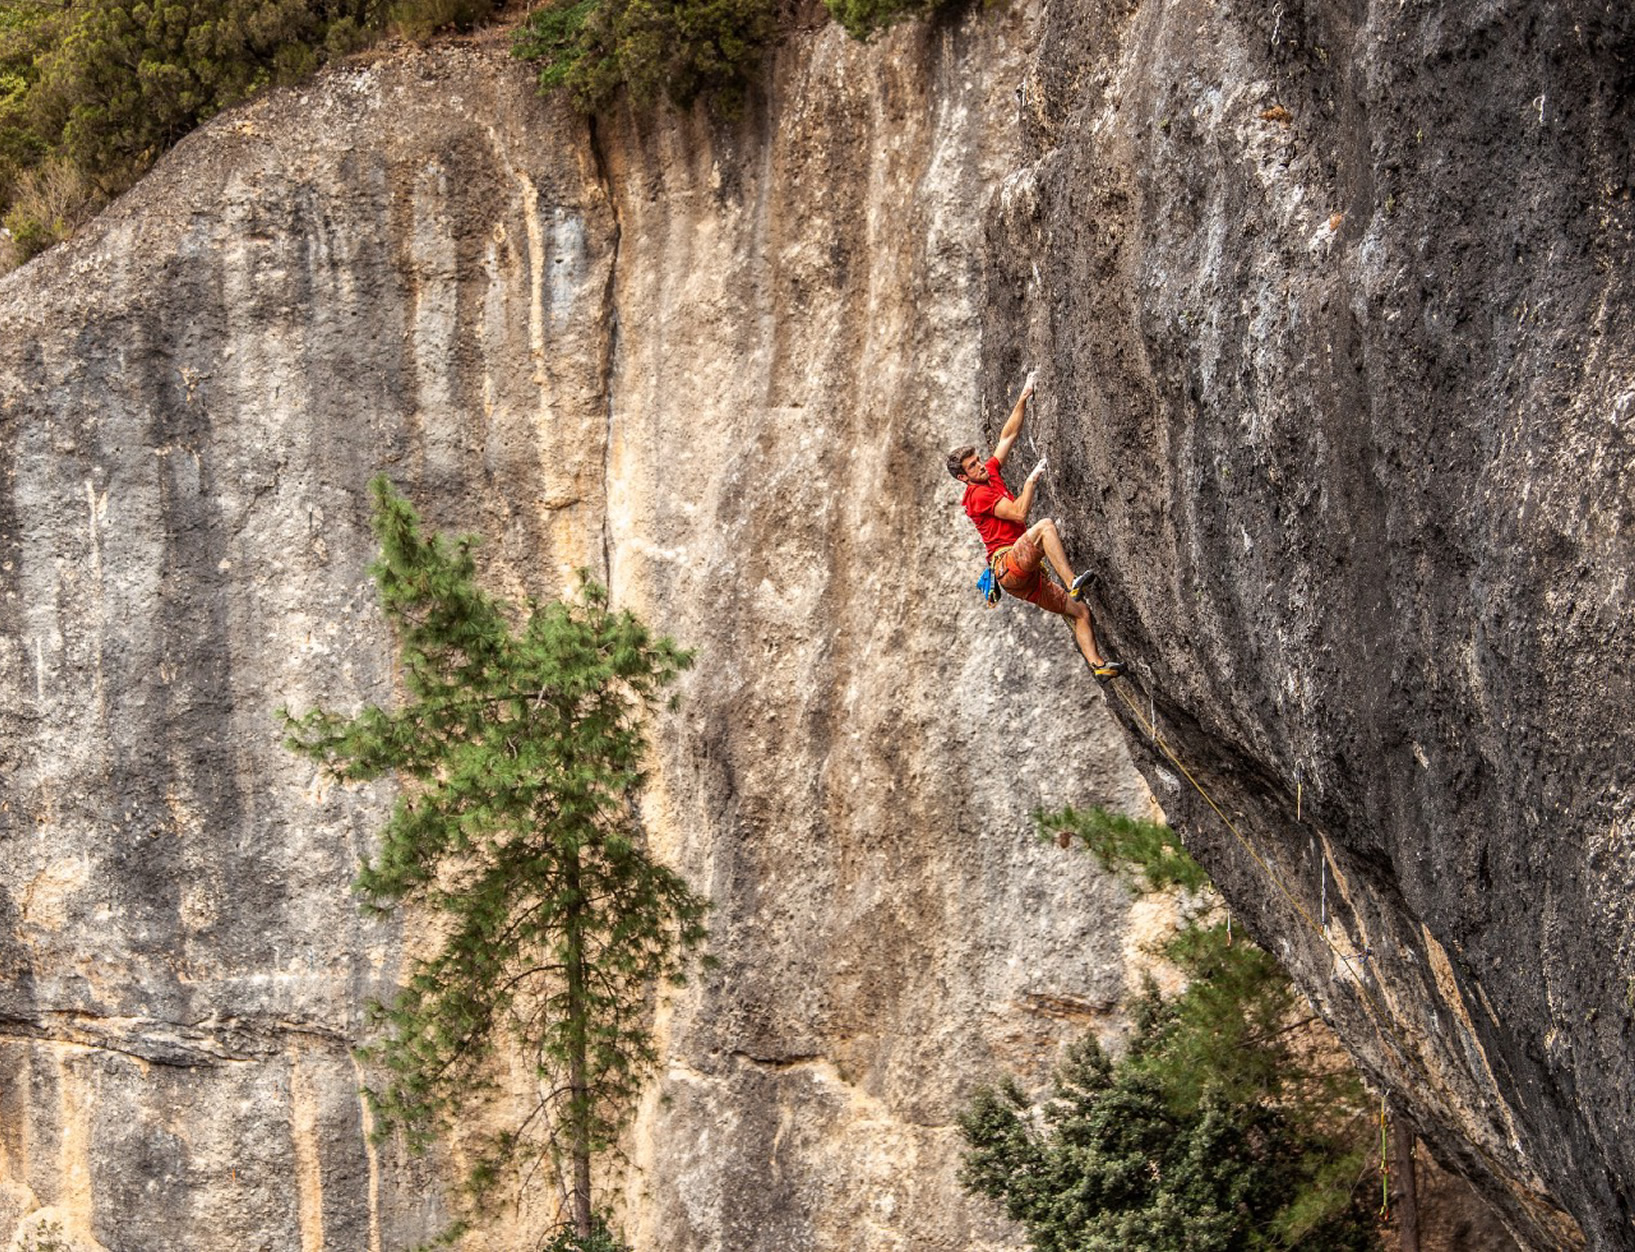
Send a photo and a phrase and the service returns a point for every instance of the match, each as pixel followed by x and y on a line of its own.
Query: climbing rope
pixel 1385 1168
pixel 1149 726
pixel 1389 1053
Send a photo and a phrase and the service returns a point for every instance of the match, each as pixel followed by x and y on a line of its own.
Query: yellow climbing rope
pixel 1392 1053
pixel 1385 1168
pixel 1149 726
pixel 1388 1052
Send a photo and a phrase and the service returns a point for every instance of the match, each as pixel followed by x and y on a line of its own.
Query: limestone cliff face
pixel 1331 307
pixel 712 365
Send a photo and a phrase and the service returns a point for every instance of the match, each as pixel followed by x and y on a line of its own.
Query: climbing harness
pixel 992 590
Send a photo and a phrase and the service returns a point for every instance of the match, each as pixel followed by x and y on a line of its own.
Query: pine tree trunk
pixel 1406 1198
pixel 578 1069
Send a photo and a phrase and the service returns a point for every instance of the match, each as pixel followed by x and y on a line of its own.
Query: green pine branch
pixel 519 746
pixel 1218 1129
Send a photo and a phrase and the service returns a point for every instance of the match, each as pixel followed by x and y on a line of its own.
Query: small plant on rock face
pixel 46 1237
pixel 600 1239
pixel 48 202
pixel 1120 842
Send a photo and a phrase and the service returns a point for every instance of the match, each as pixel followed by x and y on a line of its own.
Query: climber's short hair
pixel 956 459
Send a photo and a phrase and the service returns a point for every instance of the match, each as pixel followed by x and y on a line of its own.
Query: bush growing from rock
pixel 865 18
pixel 421 19
pixel 1220 1129
pixel 48 203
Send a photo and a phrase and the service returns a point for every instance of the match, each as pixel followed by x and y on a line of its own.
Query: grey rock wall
pixel 1344 380
pixel 1331 306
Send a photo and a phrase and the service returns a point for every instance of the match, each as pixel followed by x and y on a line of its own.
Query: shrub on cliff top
pixel 864 19
pixel 679 49
pixel 48 203
pixel 28 28
pixel 421 19
pixel 130 77
pixel 105 86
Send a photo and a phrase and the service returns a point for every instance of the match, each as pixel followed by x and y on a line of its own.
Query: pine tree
pixel 520 754
pixel 1219 1129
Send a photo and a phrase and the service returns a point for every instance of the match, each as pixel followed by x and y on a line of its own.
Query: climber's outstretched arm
pixel 1017 510
pixel 1013 423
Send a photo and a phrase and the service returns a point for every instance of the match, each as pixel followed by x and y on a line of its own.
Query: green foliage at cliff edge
pixel 92 92
pixel 675 49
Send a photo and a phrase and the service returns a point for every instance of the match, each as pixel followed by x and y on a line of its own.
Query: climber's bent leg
pixel 1084 631
pixel 1021 573
pixel 1046 536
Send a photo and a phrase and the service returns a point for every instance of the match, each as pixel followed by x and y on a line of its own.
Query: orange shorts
pixel 1019 569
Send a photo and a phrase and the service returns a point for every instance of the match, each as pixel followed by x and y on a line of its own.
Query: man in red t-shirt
pixel 1017 551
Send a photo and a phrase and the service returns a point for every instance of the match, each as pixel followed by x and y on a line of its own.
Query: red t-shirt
pixel 979 502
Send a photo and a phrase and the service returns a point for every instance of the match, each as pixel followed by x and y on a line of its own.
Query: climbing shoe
pixel 1076 591
pixel 1107 670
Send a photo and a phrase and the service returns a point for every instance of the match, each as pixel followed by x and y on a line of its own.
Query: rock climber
pixel 1017 551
